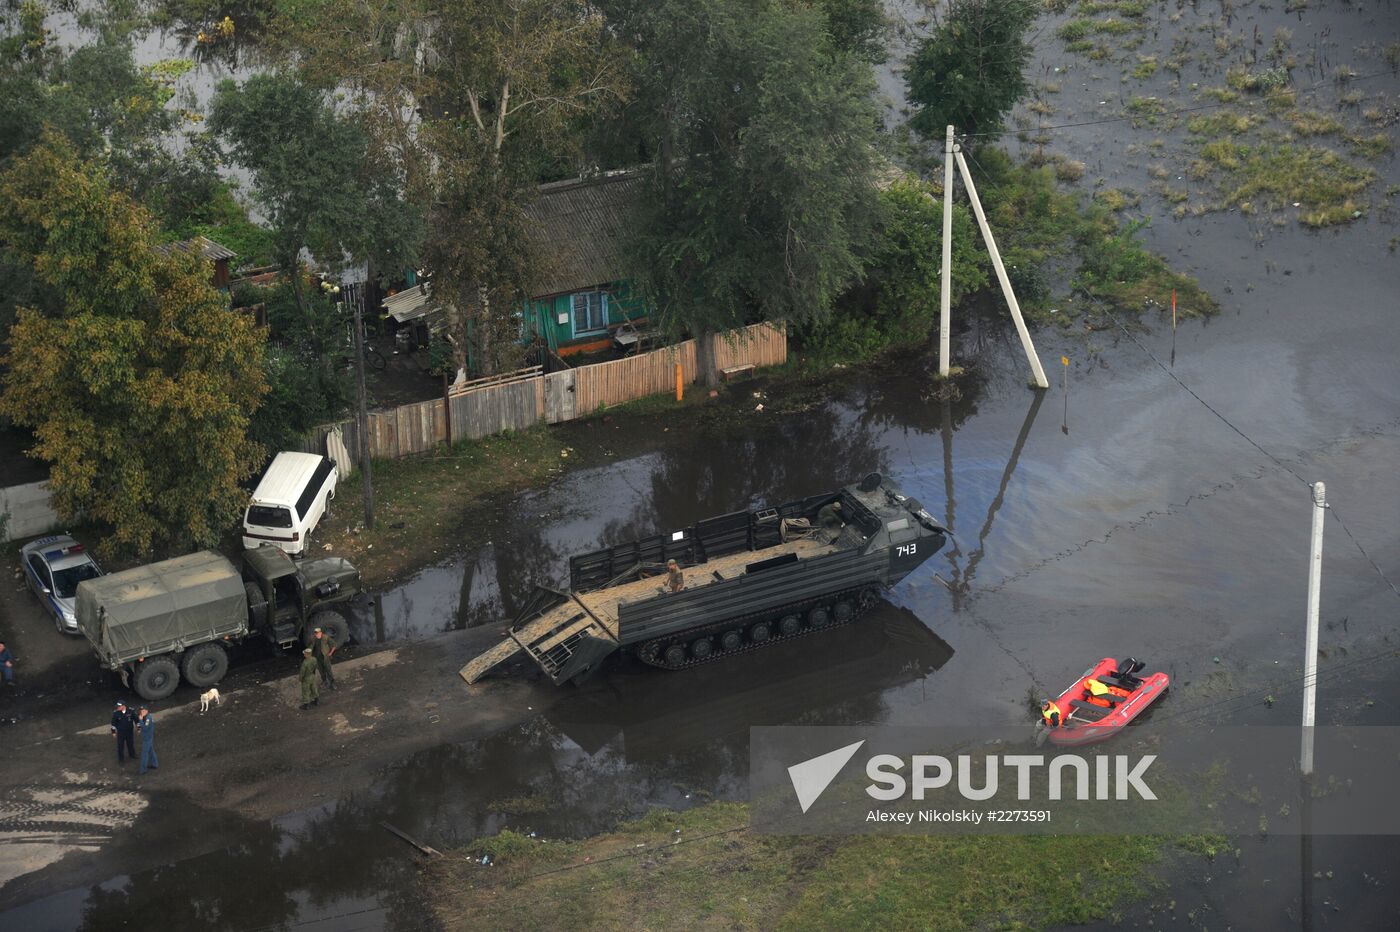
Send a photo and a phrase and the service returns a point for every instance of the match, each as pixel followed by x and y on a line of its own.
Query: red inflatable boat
pixel 1107 697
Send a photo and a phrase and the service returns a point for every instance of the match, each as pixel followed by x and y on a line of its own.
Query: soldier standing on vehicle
pixel 123 728
pixel 323 648
pixel 147 726
pixel 309 673
pixel 675 579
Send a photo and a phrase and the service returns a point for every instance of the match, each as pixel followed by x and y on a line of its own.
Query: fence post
pixel 447 407
pixel 680 382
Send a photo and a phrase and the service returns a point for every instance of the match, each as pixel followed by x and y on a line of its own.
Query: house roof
pixel 202 245
pixel 578 228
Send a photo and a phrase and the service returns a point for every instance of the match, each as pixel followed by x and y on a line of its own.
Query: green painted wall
pixel 543 316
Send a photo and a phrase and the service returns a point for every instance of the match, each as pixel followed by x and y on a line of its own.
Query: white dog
pixel 212 696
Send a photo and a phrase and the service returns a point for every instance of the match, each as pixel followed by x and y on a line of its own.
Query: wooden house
pixel 580 297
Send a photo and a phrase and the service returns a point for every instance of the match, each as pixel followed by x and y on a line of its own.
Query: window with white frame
pixel 590 312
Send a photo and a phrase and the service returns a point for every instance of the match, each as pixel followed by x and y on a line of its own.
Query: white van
pixel 290 499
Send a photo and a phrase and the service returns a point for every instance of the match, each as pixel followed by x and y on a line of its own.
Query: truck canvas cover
pixel 162 607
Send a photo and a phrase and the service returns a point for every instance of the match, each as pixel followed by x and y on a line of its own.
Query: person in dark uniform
pixel 147 726
pixel 123 729
pixel 322 649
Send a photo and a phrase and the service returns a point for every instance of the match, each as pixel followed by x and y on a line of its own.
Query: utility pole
pixel 1036 370
pixel 366 479
pixel 1319 494
pixel 946 295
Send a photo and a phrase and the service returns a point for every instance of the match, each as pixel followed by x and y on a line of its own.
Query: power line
pixel 1248 439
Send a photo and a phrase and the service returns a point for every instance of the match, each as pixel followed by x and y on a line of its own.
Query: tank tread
pixel 653 652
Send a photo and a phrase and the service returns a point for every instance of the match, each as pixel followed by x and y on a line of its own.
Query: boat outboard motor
pixel 1126 668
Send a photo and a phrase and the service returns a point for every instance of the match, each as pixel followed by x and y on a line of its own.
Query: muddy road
pixel 1119 514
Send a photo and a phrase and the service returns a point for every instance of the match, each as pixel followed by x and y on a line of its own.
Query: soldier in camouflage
pixel 310 675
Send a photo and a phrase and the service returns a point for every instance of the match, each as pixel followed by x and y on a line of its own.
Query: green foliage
pixel 763 195
pixel 307 163
pixel 1114 258
pixel 970 71
pixel 899 303
pixel 856 26
pixel 139 393
pixel 308 382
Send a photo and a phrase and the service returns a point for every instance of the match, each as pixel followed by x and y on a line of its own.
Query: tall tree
pixel 308 165
pixel 970 70
pixel 139 394
pixel 762 192
pixel 510 78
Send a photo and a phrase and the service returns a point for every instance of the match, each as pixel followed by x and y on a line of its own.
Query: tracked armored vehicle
pixel 752 579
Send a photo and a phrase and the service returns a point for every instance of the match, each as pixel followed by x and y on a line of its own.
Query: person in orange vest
pixel 1050 712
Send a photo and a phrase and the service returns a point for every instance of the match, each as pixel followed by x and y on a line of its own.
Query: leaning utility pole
pixel 1319 494
pixel 951 148
pixel 946 295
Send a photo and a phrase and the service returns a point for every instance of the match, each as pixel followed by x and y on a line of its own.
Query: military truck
pixel 157 623
pixel 751 579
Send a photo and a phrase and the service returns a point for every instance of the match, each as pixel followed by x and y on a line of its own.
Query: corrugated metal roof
pixel 202 245
pixel 579 228
pixel 411 303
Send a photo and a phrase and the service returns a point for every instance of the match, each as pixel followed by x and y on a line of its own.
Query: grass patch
pixel 1222 94
pixel 703 869
pixel 1115 199
pixel 1221 123
pixel 1257 82
pixel 1145 68
pixel 1145 109
pixel 1321 182
pixel 1370 147
pixel 423 502
pixel 1314 123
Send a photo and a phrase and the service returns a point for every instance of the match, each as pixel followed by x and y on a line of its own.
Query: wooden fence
pixel 521 399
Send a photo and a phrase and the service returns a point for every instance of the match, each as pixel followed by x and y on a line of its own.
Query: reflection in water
pixel 962 579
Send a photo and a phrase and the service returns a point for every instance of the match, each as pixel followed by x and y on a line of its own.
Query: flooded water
pixel 1119 516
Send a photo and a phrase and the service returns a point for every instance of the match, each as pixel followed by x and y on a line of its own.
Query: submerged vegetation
pixel 1257 139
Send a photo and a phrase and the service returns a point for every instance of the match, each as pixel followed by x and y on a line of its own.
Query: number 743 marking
pixel 906 550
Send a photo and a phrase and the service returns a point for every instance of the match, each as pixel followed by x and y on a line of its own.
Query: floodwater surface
pixel 1115 514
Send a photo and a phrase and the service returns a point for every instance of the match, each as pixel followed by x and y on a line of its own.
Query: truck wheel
pixel 731 640
pixel 332 623
pixel 819 617
pixel 257 604
pixel 156 678
pixel 205 665
pixel 843 611
pixel 789 625
pixel 760 632
pixel 701 648
pixel 675 655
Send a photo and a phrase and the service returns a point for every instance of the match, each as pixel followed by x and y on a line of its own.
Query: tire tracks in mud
pixel 67 814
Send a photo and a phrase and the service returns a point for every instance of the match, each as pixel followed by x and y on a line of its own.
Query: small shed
pixel 204 247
